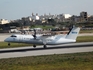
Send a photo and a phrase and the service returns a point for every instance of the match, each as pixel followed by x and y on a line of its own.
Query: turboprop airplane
pixel 44 40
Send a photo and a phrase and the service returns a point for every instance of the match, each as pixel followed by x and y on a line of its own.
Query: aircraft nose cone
pixel 6 40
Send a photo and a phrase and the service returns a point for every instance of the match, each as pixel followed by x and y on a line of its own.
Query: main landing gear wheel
pixel 34 46
pixel 45 46
pixel 8 44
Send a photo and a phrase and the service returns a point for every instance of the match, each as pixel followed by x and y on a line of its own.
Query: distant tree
pixel 15 24
pixel 32 26
pixel 51 20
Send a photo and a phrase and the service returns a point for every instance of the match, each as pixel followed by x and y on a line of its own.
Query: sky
pixel 16 9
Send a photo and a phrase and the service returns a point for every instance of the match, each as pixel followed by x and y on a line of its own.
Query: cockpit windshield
pixel 13 36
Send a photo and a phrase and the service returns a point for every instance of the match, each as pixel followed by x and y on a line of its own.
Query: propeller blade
pixel 34 34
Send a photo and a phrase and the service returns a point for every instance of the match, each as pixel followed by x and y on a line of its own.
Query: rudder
pixel 73 33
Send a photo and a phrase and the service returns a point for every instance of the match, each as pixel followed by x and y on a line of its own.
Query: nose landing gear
pixel 8 44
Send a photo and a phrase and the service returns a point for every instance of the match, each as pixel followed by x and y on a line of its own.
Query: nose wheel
pixel 8 44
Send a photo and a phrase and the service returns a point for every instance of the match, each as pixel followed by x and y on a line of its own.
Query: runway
pixel 53 49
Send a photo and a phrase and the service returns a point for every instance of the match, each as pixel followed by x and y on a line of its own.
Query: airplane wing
pixel 45 36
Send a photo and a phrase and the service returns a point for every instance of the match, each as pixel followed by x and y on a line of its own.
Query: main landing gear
pixel 45 46
pixel 34 46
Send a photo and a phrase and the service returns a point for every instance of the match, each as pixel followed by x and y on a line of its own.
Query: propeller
pixel 34 35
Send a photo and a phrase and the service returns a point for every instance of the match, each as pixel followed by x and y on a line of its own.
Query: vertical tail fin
pixel 73 33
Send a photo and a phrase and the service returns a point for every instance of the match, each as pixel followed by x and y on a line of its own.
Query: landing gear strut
pixel 44 46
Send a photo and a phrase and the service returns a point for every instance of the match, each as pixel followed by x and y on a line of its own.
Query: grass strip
pixel 76 61
pixel 85 39
pixel 86 31
pixel 5 45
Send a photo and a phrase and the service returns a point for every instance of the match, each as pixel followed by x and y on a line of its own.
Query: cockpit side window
pixel 13 36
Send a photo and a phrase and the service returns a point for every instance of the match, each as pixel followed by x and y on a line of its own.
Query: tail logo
pixel 74 32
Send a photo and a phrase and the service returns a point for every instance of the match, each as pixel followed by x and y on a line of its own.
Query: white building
pixel 66 16
pixel 4 21
pixel 35 17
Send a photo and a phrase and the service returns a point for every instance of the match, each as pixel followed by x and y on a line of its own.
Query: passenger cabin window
pixel 13 36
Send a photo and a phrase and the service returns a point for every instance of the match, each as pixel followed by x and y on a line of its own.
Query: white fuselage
pixel 57 39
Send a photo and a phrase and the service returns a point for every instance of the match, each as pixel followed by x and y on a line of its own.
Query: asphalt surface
pixel 51 49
